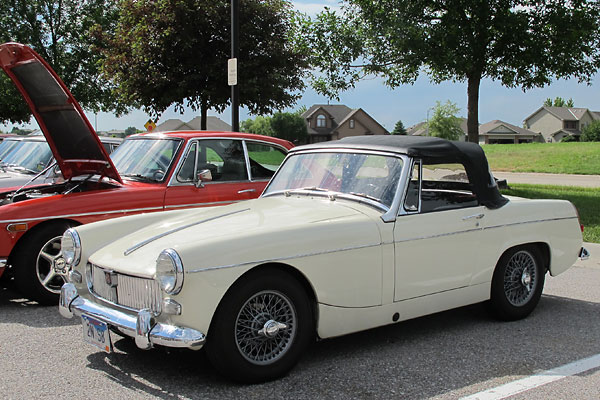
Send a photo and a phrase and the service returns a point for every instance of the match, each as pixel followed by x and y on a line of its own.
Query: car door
pixel 436 235
pixel 227 181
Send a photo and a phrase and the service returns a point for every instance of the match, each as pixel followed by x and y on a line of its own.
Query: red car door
pixel 227 180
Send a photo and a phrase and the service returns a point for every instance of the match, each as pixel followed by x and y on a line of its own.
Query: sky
pixel 407 103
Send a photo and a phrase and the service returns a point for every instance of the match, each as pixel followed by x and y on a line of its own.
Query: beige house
pixel 330 122
pixel 555 123
pixel 497 131
pixel 212 124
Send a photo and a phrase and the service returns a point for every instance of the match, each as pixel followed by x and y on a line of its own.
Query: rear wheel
pixel 517 283
pixel 39 268
pixel 261 327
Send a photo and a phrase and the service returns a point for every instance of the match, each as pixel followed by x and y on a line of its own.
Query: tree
pixel 520 43
pixel 559 102
pixel 167 52
pixel 60 31
pixel 131 130
pixel 591 132
pixel 284 125
pixel 399 129
pixel 445 123
pixel 289 126
pixel 260 126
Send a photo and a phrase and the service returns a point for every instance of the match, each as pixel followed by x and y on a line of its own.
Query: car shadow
pixel 425 357
pixel 14 308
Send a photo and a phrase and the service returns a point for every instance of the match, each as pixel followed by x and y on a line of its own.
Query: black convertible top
pixel 432 150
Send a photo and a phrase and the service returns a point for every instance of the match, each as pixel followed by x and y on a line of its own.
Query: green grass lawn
pixel 559 158
pixel 587 201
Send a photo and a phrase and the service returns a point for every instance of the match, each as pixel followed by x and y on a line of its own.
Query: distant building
pixel 330 122
pixel 555 123
pixel 212 124
pixel 497 131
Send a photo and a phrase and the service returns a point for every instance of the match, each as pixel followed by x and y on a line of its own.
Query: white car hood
pixel 260 230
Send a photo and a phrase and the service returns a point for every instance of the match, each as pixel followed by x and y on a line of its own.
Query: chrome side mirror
pixel 203 176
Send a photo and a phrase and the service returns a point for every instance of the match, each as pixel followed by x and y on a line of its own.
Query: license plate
pixel 96 332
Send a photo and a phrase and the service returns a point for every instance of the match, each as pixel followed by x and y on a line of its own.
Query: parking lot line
pixel 540 379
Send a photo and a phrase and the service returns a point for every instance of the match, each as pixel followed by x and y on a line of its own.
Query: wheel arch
pixel 286 268
pixel 543 248
pixel 42 225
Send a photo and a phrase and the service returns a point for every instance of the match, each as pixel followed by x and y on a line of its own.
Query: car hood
pixel 260 230
pixel 13 179
pixel 74 143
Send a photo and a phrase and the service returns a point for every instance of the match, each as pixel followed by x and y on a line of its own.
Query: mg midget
pixel 347 236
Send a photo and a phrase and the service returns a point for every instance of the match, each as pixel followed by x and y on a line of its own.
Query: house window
pixel 570 124
pixel 321 121
pixel 351 123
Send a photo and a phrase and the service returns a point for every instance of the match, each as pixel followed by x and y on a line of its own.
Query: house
pixel 175 124
pixel 330 122
pixel 555 123
pixel 421 129
pixel 497 131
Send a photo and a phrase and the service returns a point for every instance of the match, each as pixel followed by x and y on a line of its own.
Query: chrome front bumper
pixel 141 326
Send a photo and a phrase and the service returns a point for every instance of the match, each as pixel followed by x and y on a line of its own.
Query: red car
pixel 148 172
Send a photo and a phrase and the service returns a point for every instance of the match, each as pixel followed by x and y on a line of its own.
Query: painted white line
pixel 543 378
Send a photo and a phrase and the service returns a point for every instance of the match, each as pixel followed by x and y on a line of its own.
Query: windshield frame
pixel 174 159
pixel 389 213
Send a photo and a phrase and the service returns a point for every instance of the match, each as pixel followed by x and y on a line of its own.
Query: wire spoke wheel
pixel 520 278
pixel 265 327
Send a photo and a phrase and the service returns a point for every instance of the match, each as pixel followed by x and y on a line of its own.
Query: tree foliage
pixel 60 31
pixel 445 123
pixel 559 102
pixel 284 125
pixel 520 43
pixel 399 129
pixel 591 132
pixel 174 52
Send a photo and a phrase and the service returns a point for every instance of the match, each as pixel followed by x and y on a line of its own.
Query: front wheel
pixel 261 327
pixel 39 268
pixel 517 283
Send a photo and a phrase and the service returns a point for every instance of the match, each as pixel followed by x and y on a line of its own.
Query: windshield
pixel 145 159
pixel 369 176
pixel 6 146
pixel 27 156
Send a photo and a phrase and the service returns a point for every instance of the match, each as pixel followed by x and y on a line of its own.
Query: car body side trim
pixel 213 203
pixel 318 253
pixel 153 238
pixel 8 221
pixel 530 222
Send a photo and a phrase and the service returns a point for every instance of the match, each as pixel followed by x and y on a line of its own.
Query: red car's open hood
pixel 71 137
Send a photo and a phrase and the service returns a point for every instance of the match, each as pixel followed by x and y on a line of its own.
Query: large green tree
pixel 61 32
pixel 285 125
pixel 174 52
pixel 520 43
pixel 445 123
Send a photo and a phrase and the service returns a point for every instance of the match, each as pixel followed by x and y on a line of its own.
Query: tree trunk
pixel 473 108
pixel 203 111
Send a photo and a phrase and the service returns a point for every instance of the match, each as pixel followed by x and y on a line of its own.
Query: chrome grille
pixel 126 290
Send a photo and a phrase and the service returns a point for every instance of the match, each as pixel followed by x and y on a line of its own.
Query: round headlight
pixel 169 271
pixel 71 247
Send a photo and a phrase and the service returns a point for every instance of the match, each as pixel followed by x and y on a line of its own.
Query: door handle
pixel 246 191
pixel 476 216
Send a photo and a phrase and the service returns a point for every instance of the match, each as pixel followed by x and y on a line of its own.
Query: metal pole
pixel 235 92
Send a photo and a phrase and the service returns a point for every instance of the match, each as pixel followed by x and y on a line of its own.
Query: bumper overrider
pixel 142 326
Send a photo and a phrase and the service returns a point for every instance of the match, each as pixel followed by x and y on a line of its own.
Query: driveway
pixel 592 181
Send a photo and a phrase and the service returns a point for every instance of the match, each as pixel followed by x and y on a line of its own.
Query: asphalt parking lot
pixel 443 356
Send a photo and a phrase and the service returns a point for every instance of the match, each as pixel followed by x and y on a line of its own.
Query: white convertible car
pixel 348 235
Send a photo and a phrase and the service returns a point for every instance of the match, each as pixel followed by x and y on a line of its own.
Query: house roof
pixel 562 113
pixel 420 129
pixel 175 124
pixel 338 113
pixel 595 114
pixel 488 127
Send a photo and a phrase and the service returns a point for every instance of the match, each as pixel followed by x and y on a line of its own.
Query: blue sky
pixel 407 103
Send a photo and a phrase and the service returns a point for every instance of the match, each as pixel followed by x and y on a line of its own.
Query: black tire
pixel 234 345
pixel 34 272
pixel 517 283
